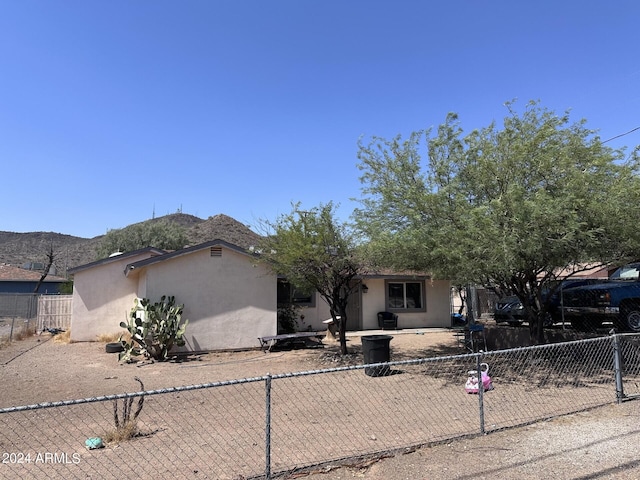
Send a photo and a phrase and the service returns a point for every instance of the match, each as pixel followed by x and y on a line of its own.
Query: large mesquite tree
pixel 507 206
pixel 314 252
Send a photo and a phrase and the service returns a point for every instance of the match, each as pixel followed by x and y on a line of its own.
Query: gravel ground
pixel 599 443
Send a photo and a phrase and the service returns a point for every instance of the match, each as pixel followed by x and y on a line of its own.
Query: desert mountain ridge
pixel 20 249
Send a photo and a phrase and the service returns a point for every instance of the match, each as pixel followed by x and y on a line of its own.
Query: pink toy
pixel 472 382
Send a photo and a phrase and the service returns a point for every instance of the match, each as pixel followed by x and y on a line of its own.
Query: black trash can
pixel 376 350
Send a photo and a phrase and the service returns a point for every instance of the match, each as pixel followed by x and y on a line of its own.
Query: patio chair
pixel 387 320
pixel 474 339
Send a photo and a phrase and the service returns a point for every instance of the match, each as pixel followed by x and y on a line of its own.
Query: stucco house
pixel 231 300
pixel 102 295
pixel 418 301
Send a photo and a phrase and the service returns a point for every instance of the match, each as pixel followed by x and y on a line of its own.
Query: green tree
pixel 505 207
pixel 66 288
pixel 314 252
pixel 154 233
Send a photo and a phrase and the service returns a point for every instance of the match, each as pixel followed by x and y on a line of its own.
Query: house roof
pixel 586 270
pixel 387 273
pixel 117 257
pixel 10 273
pixel 184 251
pixel 219 228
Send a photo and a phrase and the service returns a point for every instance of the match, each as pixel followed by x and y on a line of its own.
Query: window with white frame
pixel 405 295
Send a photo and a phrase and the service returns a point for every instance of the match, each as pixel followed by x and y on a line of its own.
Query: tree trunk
pixel 50 259
pixel 536 328
pixel 343 330
pixel 462 294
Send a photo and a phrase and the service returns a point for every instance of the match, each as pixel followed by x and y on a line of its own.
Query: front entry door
pixel 354 310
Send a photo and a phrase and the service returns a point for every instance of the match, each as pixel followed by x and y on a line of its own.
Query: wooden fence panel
pixel 54 311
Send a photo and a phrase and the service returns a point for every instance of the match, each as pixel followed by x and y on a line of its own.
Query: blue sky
pixel 113 110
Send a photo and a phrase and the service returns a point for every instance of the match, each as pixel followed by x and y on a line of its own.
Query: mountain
pixel 19 249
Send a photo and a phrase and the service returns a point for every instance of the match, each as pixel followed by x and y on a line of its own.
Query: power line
pixel 622 135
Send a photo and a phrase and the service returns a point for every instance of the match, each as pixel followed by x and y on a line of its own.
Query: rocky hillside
pixel 20 248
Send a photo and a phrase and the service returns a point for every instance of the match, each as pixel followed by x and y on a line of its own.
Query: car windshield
pixel 628 272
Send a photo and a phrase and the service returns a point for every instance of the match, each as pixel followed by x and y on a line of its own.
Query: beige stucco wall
pixel 314 316
pixel 102 298
pixel 437 314
pixel 229 301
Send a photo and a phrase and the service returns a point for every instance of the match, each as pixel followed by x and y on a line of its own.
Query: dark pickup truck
pixel 615 300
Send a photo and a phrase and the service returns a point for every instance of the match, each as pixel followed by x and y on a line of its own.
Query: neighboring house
pixel 231 300
pixel 20 280
pixel 587 270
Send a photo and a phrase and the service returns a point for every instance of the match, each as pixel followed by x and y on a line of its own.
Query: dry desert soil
pixel 600 443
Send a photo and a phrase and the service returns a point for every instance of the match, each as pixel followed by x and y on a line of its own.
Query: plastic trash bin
pixel 376 350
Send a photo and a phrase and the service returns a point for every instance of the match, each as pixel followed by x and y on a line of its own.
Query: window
pixel 288 293
pixel 405 296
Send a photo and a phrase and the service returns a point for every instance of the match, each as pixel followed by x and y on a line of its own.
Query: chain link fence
pixel 24 313
pixel 271 426
pixel 23 305
pixel 18 313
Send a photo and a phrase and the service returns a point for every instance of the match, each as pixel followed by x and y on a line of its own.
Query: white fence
pixel 54 311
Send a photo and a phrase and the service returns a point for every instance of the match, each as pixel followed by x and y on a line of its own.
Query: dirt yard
pixel 596 444
pixel 41 370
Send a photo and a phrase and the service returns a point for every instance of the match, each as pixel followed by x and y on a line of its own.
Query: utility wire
pixel 622 135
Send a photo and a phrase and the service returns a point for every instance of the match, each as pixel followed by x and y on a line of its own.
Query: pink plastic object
pixel 472 382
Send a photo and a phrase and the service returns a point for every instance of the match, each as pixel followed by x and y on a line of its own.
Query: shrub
pixel 288 317
pixel 155 328
pixel 62 337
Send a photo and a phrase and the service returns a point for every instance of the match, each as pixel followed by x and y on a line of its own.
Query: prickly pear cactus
pixel 155 328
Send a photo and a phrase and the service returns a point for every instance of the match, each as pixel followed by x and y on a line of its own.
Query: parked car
pixel 510 310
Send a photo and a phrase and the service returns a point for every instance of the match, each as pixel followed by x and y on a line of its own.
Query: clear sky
pixel 113 110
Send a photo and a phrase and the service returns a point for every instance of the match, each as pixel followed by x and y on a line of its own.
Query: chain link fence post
pixel 13 321
pixel 617 368
pixel 480 391
pixel 267 442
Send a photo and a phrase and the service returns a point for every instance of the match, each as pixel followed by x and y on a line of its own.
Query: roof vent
pixel 216 251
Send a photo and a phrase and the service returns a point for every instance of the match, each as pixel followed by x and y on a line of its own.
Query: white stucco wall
pixel 102 298
pixel 437 314
pixel 229 301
